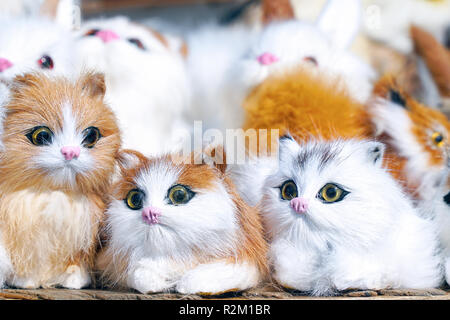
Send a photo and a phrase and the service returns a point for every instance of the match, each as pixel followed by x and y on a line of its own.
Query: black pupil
pixel 136 199
pixel 92 32
pixel 179 195
pixel 438 138
pixel 92 136
pixel 136 42
pixel 289 190
pixel 46 62
pixel 43 137
pixel 331 192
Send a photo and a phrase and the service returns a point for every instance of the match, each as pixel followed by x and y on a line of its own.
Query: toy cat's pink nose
pixel 70 152
pixel 107 35
pixel 5 64
pixel 267 58
pixel 151 215
pixel 300 205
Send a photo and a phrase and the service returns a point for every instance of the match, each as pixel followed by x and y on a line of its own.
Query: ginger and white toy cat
pixel 416 134
pixel 182 226
pixel 337 220
pixel 146 80
pixel 60 146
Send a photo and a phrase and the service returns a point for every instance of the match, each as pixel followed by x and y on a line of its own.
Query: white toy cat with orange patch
pixel 60 145
pixel 146 80
pixel 180 226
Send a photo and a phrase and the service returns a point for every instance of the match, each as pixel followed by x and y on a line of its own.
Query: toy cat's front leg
pixel 151 275
pixel 5 266
pixel 293 268
pixel 219 277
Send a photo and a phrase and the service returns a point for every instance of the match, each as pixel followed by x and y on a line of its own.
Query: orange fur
pixel 45 238
pixel 423 118
pixel 306 105
pixel 277 10
pixel 436 57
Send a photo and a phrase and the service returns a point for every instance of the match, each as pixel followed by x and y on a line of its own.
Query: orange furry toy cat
pixel 60 144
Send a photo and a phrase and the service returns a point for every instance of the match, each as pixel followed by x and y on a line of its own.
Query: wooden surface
pixel 260 294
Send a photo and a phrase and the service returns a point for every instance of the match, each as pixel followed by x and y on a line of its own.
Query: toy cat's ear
pixel 276 10
pixel 287 147
pixel 128 159
pixel 215 156
pixel 341 20
pixel 94 85
pixel 63 12
pixel 374 152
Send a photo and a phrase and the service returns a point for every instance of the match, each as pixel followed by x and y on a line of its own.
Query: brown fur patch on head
pixel 277 10
pixel 436 57
pixel 425 121
pixel 39 100
pixel 306 105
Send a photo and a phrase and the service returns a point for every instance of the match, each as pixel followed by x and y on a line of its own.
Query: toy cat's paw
pixel 145 280
pixel 76 277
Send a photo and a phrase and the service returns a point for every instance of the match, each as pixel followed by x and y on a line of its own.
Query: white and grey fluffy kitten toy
pixel 181 226
pixel 146 80
pixel 337 220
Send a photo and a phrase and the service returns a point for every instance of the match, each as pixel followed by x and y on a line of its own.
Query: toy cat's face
pixel 170 209
pixel 418 133
pixel 329 191
pixel 285 45
pixel 119 47
pixel 59 134
pixel 33 44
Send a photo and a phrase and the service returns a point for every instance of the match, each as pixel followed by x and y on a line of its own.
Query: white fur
pixel 148 90
pixel 163 256
pixel 213 53
pixel 372 239
pixel 395 17
pixel 23 41
pixel 5 264
pixel 51 160
pixel 293 41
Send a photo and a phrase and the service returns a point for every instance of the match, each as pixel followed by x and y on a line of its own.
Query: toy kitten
pixel 146 80
pixel 182 226
pixel 337 220
pixel 60 145
pixel 417 134
pixel 28 44
pixel 286 43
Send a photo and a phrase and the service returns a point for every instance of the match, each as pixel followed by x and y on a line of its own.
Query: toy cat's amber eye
pixel 331 193
pixel 138 43
pixel 40 136
pixel 180 194
pixel 438 139
pixel 92 32
pixel 135 199
pixel 289 190
pixel 91 137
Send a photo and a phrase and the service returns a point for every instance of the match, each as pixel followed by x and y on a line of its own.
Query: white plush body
pixel 147 89
pixel 23 41
pixel 389 21
pixel 217 94
pixel 372 239
pixel 441 218
pixel 183 251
